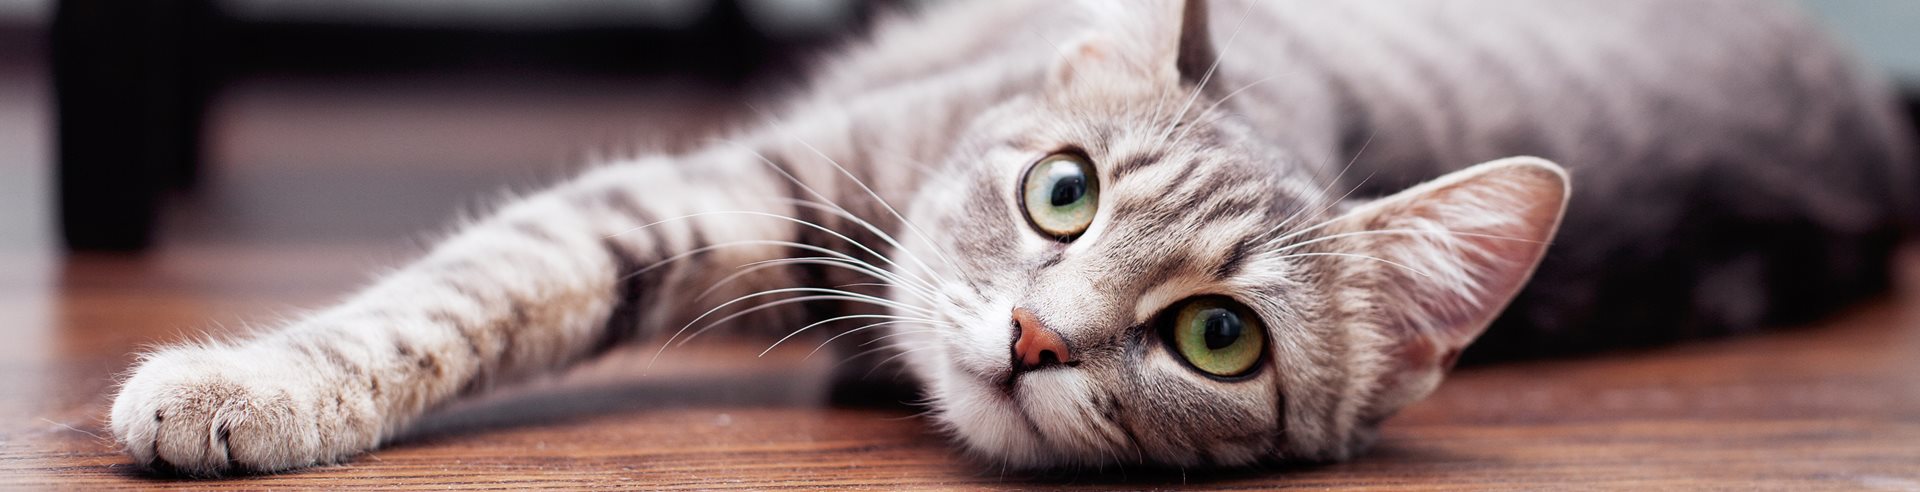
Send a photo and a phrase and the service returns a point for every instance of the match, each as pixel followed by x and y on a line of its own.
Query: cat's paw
pixel 209 411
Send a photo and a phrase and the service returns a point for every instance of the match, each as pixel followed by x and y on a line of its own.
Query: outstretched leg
pixel 545 282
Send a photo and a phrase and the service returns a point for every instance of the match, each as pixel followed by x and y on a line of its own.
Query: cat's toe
pixel 212 411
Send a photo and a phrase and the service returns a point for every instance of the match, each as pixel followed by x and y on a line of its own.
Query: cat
pixel 1150 232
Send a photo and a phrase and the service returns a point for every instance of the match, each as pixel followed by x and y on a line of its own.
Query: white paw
pixel 207 411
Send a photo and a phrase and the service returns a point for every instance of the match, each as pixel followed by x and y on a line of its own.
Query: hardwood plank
pixel 1835 405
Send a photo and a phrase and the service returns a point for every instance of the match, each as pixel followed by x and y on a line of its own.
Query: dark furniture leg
pixel 129 101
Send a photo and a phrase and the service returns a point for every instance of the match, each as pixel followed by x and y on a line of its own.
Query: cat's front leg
pixel 546 282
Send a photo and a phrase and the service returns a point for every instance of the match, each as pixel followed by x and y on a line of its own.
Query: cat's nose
pixel 1034 345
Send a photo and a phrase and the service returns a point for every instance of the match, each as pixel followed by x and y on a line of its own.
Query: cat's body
pixel 1708 139
pixel 1732 171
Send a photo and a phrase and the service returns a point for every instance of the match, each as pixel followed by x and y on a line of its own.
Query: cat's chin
pixel 1038 420
pixel 1065 409
pixel 982 414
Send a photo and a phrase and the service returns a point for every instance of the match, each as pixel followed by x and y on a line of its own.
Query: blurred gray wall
pixel 1887 32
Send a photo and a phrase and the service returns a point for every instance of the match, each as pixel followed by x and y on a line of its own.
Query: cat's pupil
pixel 1221 329
pixel 1067 190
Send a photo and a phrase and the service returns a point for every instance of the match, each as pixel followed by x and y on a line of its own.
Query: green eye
pixel 1217 336
pixel 1060 195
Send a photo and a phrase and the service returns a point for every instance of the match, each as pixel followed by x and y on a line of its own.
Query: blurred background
pixel 130 124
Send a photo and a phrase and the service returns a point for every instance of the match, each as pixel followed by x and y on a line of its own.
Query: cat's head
pixel 1126 289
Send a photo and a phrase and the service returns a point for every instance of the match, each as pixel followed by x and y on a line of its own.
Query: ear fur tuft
pixel 1444 259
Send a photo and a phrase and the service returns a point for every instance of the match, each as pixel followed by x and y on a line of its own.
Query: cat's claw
pixel 210 411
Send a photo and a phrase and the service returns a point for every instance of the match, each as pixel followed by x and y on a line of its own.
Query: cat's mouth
pixel 1011 382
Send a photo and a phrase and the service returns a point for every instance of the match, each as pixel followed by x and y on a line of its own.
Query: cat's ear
pixel 1163 42
pixel 1437 262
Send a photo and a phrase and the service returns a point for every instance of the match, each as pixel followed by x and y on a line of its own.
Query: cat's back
pixel 1733 167
pixel 1437 85
pixel 1464 81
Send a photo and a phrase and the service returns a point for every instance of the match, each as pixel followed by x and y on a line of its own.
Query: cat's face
pixel 1162 225
pixel 1131 290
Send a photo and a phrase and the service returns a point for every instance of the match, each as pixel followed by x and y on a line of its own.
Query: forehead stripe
pixel 1235 259
pixel 1137 163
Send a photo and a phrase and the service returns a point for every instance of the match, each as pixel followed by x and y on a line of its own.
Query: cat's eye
pixel 1060 194
pixel 1217 336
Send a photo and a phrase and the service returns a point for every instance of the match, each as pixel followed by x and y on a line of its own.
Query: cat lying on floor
pixel 1145 232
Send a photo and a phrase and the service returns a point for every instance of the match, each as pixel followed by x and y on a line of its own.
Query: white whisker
pixel 1402 231
pixel 866 327
pixel 870 300
pixel 854 265
pixel 876 196
pixel 802 329
pixel 863 247
pixel 1208 76
pixel 922 291
pixel 743 242
pixel 833 295
pixel 862 353
pixel 899 333
pixel 836 206
pixel 1229 96
pixel 902 353
pixel 884 236
pixel 1324 223
pixel 1322 194
pixel 757 308
pixel 1351 255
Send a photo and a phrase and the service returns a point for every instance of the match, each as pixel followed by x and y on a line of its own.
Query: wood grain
pixel 1831 406
pixel 1836 405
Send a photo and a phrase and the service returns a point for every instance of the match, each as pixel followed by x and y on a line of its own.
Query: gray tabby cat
pixel 1101 232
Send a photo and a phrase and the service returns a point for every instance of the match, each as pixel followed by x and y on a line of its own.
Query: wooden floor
pixel 318 189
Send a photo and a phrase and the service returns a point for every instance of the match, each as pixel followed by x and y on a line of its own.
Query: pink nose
pixel 1035 346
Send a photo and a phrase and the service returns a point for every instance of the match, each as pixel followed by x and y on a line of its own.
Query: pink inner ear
pixel 1480 233
pixel 1460 247
pixel 1090 53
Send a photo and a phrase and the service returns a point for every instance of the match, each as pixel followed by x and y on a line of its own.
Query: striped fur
pixel 887 191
